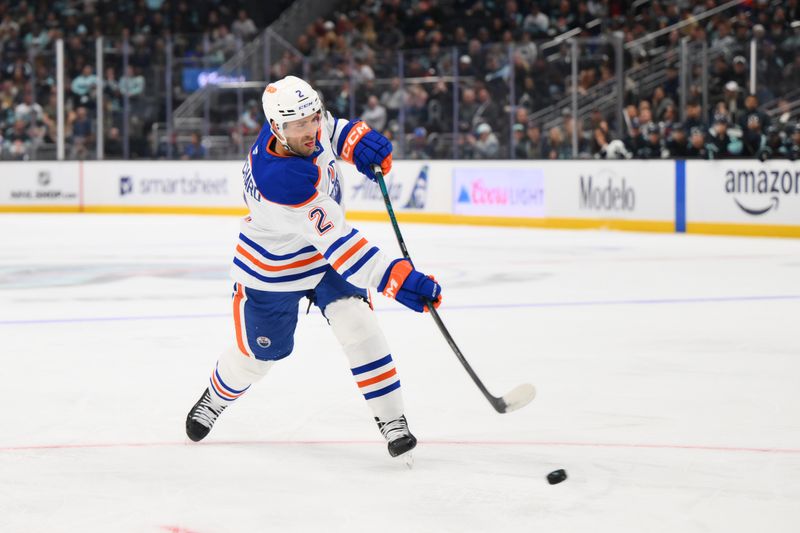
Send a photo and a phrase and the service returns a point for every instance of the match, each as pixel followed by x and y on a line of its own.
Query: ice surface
pixel 667 369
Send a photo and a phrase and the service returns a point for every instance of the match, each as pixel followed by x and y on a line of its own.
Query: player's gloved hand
pixel 364 147
pixel 410 287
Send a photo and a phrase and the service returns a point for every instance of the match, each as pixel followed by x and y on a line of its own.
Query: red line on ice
pixel 433 442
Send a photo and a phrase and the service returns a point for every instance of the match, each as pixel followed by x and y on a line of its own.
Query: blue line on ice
pixel 654 301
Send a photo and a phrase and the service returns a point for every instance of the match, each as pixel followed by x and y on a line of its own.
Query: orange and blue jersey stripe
pixel 377 378
pixel 346 248
pixel 272 268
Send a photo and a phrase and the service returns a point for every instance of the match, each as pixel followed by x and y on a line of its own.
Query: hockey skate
pixel 202 416
pixel 400 439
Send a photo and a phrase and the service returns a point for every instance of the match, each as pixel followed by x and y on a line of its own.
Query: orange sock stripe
pixel 349 253
pixel 221 391
pixel 237 320
pixel 376 379
pixel 272 268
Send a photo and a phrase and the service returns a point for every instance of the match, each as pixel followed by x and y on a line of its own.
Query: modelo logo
pixel 606 194
pixel 763 188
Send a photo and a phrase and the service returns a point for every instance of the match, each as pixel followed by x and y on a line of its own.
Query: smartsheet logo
pixel 125 185
pixel 181 186
pixel 759 192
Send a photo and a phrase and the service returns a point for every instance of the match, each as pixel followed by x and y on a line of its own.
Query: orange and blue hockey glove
pixel 362 146
pixel 410 287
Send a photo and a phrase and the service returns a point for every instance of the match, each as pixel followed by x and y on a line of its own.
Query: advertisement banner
pixel 414 186
pixel 623 190
pixel 743 192
pixel 499 191
pixel 163 183
pixel 39 184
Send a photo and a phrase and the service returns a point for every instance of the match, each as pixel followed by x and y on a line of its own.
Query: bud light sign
pixel 510 192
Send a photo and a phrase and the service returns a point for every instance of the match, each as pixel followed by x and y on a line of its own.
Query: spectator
pixel 793 143
pixel 634 141
pixel 17 141
pixel 724 38
pixel 520 142
pixel 697 145
pixel 752 137
pixel 751 108
pixel 661 102
pixel 533 144
pixel 224 44
pixel 195 149
pixel 418 147
pixel 732 99
pixel 244 27
pixel 375 114
pixel 536 22
pixel 252 119
pixel 486 146
pixel 487 111
pixel 28 111
pixel 113 144
pixel 600 144
pixel 440 108
pixel 694 116
pixel 677 146
pixel 652 148
pixel 774 146
pixel 740 74
pixel 720 144
pixel 80 124
pixel 557 147
pixel 83 87
pixel 393 98
pixel 467 109
pixel 417 110
pixel 132 84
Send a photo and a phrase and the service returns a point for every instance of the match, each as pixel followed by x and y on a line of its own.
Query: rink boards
pixel 735 197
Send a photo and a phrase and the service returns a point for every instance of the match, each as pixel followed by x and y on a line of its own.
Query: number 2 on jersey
pixel 319 215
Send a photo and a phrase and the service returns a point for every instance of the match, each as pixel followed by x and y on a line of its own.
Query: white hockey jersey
pixel 296 228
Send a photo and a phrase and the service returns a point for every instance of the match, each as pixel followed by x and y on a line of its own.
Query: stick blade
pixel 517 398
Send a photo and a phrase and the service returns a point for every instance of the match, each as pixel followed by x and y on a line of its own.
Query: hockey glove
pixel 360 145
pixel 410 287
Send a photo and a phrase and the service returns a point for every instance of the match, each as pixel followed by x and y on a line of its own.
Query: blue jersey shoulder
pixel 283 180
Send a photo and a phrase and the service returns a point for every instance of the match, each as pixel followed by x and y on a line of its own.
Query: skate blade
pixel 408 459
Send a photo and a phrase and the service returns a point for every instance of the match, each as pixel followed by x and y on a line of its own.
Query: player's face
pixel 301 135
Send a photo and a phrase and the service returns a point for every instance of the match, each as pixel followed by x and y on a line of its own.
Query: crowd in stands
pixel 202 31
pixel 351 47
pixel 493 48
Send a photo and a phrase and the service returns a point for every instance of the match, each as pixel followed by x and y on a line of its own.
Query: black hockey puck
pixel 556 476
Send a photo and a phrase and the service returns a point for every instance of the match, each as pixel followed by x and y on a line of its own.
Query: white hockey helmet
pixel 289 99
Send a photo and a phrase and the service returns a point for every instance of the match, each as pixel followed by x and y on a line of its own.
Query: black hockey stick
pixel 523 394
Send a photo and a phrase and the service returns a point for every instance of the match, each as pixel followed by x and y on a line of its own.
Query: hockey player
pixel 296 243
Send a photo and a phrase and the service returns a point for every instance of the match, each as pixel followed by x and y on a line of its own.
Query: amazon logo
pixel 759 192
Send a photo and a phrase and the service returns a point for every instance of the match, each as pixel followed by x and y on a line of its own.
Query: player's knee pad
pixel 356 326
pixel 242 369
